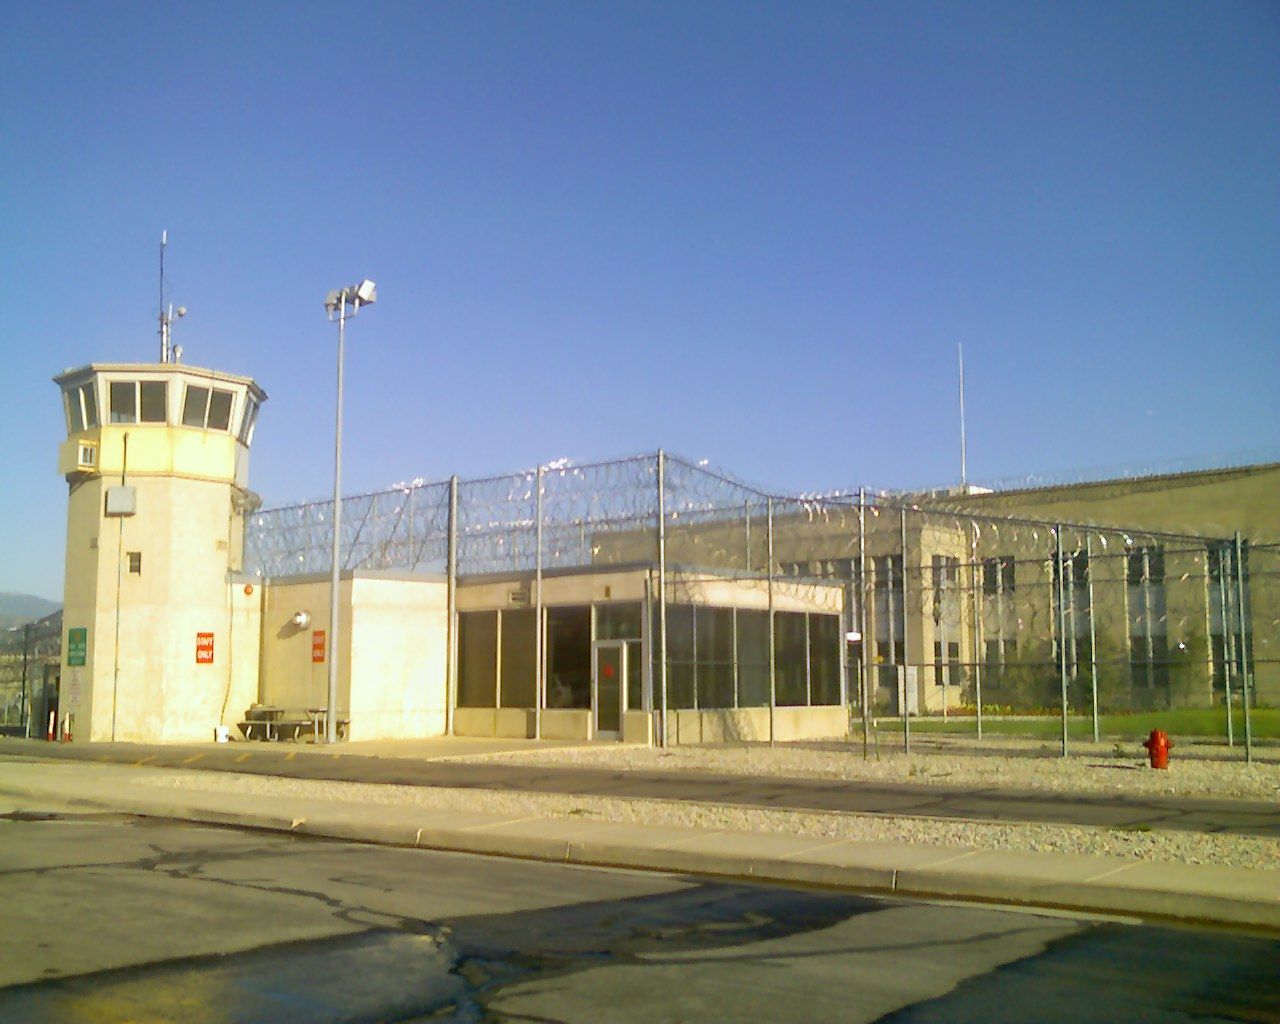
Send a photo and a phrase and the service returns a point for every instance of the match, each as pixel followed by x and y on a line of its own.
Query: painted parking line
pixel 192 759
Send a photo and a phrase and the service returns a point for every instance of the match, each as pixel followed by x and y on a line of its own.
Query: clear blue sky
pixel 747 232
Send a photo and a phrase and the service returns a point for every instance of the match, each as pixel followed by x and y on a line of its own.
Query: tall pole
pixel 164 324
pixel 331 715
pixel 451 574
pixel 22 713
pixel 1062 629
pixel 862 620
pixel 773 675
pixel 1093 637
pixel 976 576
pixel 1228 636
pixel 1244 649
pixel 964 454
pixel 662 597
pixel 539 684
pixel 905 702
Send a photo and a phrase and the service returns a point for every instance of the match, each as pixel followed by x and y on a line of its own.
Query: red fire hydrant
pixel 1158 747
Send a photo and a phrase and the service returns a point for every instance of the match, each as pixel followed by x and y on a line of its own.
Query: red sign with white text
pixel 317 646
pixel 204 648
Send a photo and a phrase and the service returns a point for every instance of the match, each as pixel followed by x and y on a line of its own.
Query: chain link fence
pixel 952 623
pixel 29 660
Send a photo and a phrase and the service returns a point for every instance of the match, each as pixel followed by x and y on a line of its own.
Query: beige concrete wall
pixel 1215 503
pixel 730 725
pixel 245 640
pixel 391 653
pixel 586 588
pixel 289 678
pixel 637 727
pixel 566 724
pixel 398 645
pixel 148 687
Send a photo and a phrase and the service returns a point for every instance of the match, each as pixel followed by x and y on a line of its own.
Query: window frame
pixel 136 383
pixel 210 390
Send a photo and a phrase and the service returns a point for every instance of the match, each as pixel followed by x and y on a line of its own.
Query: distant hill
pixel 15 609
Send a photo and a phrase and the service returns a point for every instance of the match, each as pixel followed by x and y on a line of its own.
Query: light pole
pixel 363 294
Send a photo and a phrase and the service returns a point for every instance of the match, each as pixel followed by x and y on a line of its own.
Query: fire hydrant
pixel 1158 746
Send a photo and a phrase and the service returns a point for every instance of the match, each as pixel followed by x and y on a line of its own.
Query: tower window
pixel 154 401
pixel 207 407
pixel 135 563
pixel 134 401
pixel 124 401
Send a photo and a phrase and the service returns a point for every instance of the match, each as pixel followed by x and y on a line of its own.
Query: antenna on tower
pixel 168 353
pixel 964 454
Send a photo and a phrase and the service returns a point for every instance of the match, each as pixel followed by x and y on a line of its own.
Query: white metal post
pixel 331 716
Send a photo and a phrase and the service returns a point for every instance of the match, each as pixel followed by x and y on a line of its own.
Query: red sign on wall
pixel 204 648
pixel 317 646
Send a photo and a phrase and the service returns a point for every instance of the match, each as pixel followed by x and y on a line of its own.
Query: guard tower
pixel 157 460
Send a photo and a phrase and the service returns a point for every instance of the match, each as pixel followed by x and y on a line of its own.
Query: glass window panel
pixel 753 686
pixel 194 405
pixel 477 659
pixel 246 424
pixel 680 632
pixel 680 684
pixel 635 677
pixel 220 409
pixel 569 657
pixel 714 645
pixel 790 668
pixel 715 685
pixel 618 621
pixel 71 404
pixel 90 405
pixel 753 658
pixel 824 659
pixel 124 401
pixel 519 683
pixel 155 399
pixel 715 635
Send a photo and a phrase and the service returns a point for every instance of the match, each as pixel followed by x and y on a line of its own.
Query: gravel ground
pixel 1178 847
pixel 1104 773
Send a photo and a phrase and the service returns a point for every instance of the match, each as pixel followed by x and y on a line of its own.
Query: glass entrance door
pixel 608 687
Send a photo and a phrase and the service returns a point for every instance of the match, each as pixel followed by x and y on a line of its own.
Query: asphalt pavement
pixel 115 918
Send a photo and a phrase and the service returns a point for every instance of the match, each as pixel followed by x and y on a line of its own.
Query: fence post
pixel 539 666
pixel 1244 649
pixel 862 620
pixel 904 702
pixel 773 677
pixel 1058 589
pixel 662 597
pixel 26 646
pixel 451 645
pixel 977 641
pixel 1225 597
pixel 1093 636
pixel 412 559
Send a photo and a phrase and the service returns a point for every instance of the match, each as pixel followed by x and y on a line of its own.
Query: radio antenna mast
pixel 964 454
pixel 167 316
pixel 164 320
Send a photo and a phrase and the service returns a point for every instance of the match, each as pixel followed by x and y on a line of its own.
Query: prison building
pixel 648 599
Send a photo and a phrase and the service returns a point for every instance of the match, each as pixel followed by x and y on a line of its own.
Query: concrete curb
pixel 1086 884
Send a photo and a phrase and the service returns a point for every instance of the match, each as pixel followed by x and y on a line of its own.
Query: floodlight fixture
pixel 353 296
